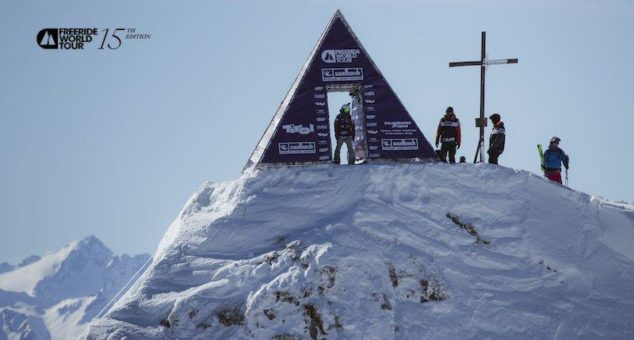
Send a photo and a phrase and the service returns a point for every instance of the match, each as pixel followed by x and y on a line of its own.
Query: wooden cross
pixel 483 62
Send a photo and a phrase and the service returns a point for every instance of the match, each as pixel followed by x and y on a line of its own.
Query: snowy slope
pixel 432 251
pixel 57 295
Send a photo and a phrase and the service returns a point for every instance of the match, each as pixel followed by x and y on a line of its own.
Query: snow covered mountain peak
pixel 94 245
pixel 56 295
pixel 47 276
pixel 431 251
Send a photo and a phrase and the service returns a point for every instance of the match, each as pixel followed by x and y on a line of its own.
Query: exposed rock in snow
pixel 57 295
pixel 5 267
pixel 28 260
pixel 431 251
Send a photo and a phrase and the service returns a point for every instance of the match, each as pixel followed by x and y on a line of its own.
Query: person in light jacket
pixel 553 158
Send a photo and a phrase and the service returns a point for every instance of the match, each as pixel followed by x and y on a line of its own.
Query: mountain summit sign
pixel 299 133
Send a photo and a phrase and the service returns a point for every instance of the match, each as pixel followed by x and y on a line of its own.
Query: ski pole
pixel 566 177
pixel 475 159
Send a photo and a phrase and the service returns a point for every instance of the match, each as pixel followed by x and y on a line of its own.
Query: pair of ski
pixel 541 158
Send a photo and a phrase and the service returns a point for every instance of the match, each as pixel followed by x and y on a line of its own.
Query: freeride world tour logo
pixel 340 56
pixel 48 38
pixel 65 38
pixel 80 38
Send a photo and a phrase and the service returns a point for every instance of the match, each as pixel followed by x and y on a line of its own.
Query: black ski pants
pixel 448 148
pixel 493 156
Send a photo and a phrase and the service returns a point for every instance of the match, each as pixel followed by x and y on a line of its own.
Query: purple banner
pixel 300 131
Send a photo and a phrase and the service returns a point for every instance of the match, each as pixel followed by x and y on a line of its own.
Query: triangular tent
pixel 300 132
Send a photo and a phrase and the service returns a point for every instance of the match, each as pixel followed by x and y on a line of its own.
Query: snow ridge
pixel 386 251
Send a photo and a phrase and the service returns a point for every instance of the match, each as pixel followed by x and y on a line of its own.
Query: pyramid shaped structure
pixel 299 133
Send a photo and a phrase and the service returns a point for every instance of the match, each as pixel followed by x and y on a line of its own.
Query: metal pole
pixel 480 122
pixel 482 71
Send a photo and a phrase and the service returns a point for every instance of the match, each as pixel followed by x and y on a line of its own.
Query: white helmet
pixel 555 139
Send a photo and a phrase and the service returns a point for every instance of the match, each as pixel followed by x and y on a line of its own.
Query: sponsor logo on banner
pixel 368 93
pixel 323 142
pixel 373 140
pixel 398 125
pixel 369 101
pixel 320 112
pixel 324 158
pixel 373 132
pixel 342 74
pixel 368 86
pixel 322 127
pixel 369 108
pixel 399 144
pixel 323 149
pixel 373 148
pixel 374 155
pixel 320 96
pixel 320 103
pixel 319 88
pixel 321 119
pixel 298 128
pixel 321 134
pixel 340 56
pixel 292 148
pixel 372 124
pixel 370 116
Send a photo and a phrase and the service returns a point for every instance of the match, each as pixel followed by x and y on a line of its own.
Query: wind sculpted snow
pixel 386 251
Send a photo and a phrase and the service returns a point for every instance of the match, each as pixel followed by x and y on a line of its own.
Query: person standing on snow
pixel 496 139
pixel 344 133
pixel 448 133
pixel 553 157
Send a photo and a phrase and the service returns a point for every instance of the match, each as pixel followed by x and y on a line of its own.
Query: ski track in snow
pixel 369 252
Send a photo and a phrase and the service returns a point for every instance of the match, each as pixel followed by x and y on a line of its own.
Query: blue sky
pixel 112 143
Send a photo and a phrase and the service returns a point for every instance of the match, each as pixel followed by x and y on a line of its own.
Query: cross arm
pixel 501 61
pixel 465 63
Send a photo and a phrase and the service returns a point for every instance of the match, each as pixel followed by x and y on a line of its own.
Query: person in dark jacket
pixel 553 157
pixel 344 133
pixel 497 138
pixel 448 133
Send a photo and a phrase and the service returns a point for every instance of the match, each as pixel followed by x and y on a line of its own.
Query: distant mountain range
pixel 57 295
